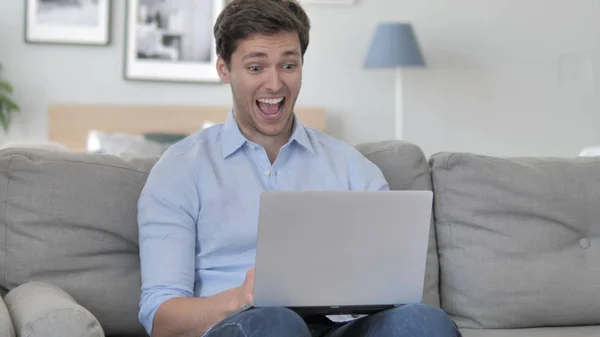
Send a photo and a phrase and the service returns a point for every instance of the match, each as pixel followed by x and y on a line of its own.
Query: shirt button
pixel 584 243
pixel 252 147
pixel 268 172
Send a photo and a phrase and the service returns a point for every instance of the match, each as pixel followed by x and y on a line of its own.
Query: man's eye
pixel 254 68
pixel 289 66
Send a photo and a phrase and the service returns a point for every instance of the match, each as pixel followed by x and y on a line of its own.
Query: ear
pixel 222 70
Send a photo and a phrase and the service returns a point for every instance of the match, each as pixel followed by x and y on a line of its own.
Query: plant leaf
pixel 11 106
pixel 6 86
pixel 8 104
pixel 3 118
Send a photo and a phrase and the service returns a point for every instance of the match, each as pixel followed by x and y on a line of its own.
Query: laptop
pixel 341 252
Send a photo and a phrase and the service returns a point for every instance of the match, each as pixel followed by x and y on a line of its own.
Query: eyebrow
pixel 290 53
pixel 253 55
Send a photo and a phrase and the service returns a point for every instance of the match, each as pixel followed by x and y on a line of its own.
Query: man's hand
pixel 175 313
pixel 246 290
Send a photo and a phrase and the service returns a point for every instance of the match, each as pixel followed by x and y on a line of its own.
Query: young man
pixel 198 212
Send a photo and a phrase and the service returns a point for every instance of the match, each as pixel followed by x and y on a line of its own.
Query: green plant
pixel 7 106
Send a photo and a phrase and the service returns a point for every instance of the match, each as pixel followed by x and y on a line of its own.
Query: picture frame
pixel 82 22
pixel 171 41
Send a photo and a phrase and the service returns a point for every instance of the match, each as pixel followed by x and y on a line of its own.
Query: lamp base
pixel 399 113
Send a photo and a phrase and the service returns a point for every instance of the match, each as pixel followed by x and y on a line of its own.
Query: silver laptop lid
pixel 341 248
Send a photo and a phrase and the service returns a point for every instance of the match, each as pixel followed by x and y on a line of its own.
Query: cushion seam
pixel 78 162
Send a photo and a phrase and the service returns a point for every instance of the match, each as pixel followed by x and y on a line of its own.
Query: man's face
pixel 265 75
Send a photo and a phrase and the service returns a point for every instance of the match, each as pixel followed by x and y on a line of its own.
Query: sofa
pixel 513 251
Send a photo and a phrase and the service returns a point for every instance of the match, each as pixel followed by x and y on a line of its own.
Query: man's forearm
pixel 193 316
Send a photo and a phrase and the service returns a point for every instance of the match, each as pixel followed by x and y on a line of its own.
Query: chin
pixel 272 116
pixel 274 129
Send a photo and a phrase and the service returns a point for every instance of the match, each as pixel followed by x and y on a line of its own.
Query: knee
pixel 423 310
pixel 279 315
pixel 274 321
pixel 424 318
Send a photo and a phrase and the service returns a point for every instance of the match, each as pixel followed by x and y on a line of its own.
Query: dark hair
pixel 242 18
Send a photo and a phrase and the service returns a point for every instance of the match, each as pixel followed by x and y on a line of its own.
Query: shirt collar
pixel 300 136
pixel 232 138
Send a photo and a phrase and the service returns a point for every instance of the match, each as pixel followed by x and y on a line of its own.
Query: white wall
pixel 512 77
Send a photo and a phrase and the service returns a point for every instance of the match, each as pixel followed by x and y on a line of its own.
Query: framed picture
pixel 67 21
pixel 171 40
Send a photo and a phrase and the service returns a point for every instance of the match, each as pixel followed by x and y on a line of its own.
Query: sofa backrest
pixel 405 167
pixel 518 240
pixel 70 219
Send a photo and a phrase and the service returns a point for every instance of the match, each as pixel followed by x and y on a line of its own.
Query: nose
pixel 274 82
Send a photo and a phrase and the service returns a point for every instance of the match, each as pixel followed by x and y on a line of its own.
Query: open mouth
pixel 270 108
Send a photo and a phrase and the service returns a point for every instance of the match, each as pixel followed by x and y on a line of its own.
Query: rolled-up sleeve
pixel 167 214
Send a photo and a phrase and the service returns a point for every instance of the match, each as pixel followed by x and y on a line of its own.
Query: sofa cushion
pixel 518 240
pixel 6 327
pixel 405 168
pixel 70 219
pixel 579 331
pixel 40 309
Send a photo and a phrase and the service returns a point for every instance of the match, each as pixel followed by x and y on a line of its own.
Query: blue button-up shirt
pixel 198 212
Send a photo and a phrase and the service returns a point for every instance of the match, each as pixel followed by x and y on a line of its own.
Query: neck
pixel 272 148
pixel 271 144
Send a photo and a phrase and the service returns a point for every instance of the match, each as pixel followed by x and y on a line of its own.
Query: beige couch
pixel 514 247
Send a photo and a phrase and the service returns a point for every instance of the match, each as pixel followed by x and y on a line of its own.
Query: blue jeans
pixel 415 320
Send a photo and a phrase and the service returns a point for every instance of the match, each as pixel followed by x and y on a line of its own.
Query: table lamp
pixel 394 46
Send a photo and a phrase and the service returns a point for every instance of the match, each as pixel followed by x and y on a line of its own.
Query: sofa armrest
pixel 6 326
pixel 40 309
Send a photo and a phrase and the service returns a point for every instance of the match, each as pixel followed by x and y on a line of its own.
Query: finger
pixel 249 279
pixel 250 274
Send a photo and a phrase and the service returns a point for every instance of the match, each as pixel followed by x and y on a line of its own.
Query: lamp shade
pixel 394 45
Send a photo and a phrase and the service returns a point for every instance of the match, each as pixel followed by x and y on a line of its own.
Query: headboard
pixel 70 124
